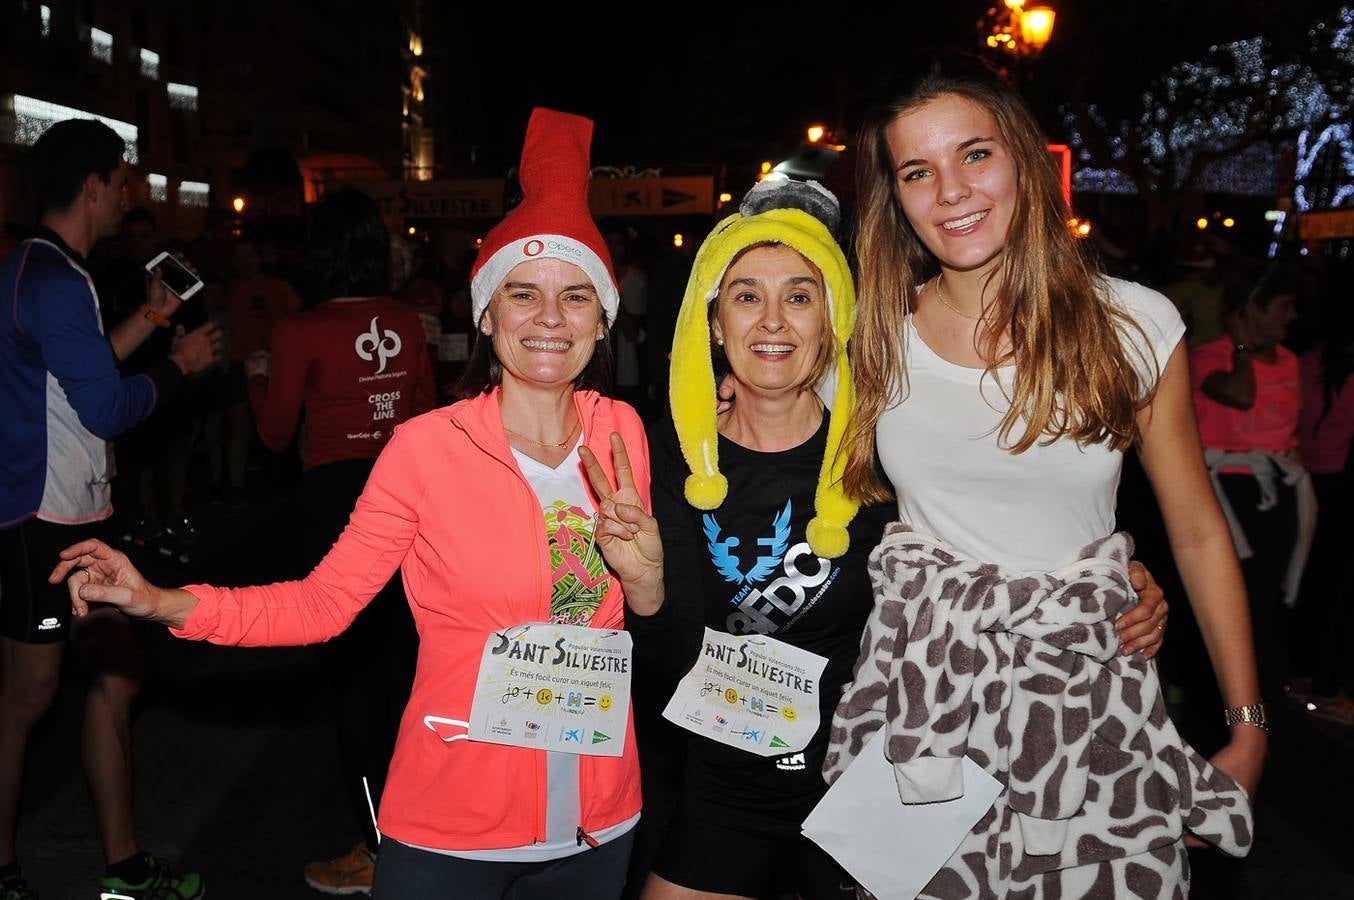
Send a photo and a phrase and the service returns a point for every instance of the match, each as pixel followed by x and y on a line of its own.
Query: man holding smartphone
pixel 62 399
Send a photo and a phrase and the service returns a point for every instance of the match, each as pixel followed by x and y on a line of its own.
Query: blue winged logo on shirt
pixel 725 560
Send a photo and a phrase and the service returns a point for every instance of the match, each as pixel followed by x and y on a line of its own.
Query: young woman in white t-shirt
pixel 1023 372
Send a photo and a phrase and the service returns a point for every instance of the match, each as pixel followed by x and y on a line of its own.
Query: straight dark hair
pixel 66 154
pixel 348 253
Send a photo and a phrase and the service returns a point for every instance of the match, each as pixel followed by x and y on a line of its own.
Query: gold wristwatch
pixel 1250 714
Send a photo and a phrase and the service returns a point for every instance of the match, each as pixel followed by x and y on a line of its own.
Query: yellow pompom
pixel 826 540
pixel 706 491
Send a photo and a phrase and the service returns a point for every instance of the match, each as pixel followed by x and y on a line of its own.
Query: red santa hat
pixel 552 221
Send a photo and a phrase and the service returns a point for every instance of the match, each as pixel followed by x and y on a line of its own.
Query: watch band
pixel 1250 714
pixel 155 317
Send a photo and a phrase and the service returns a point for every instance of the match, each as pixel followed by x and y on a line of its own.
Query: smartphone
pixel 177 277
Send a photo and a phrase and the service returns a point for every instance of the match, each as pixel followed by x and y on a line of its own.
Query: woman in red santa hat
pixel 510 774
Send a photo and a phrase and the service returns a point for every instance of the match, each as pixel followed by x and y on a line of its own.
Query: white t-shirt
pixel 1032 511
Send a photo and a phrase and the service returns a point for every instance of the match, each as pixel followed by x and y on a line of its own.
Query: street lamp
pixel 1036 27
pixel 1012 28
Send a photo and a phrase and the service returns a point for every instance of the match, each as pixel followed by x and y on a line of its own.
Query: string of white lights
pixel 33 116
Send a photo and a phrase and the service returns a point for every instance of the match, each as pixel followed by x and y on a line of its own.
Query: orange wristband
pixel 153 316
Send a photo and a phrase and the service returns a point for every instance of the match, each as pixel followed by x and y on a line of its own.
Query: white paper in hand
pixel 891 848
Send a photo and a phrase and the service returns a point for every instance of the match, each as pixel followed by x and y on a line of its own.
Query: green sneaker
pixel 163 884
pixel 16 889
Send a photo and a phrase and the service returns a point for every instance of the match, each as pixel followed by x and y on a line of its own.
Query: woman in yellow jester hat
pixel 759 538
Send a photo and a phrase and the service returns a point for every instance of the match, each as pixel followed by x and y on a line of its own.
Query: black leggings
pixel 407 873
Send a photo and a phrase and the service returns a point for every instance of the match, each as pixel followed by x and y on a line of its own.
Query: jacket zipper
pixel 538 819
pixel 581 836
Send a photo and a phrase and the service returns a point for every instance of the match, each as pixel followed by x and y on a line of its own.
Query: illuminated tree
pixel 1215 123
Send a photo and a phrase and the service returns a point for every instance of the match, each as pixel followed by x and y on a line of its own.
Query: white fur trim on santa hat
pixel 543 246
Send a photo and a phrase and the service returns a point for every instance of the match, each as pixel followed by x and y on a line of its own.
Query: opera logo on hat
pixel 555 246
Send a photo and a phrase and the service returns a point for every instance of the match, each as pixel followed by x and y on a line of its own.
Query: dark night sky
pixel 690 87
pixel 737 86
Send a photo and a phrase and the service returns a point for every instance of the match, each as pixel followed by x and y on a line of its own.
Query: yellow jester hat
pixel 800 215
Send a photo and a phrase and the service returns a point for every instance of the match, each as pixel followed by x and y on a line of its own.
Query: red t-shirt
pixel 1272 421
pixel 358 367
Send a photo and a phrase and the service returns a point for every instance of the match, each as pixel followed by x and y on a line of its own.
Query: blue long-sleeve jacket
pixel 61 395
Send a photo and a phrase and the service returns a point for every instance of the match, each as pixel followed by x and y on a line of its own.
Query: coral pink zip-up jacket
pixel 447 504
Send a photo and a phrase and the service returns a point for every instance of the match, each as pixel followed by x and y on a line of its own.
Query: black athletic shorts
pixel 737 825
pixel 31 610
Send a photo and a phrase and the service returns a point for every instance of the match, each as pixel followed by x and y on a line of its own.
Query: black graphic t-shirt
pixel 744 568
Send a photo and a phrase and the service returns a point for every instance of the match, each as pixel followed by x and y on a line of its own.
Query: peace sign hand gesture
pixel 626 534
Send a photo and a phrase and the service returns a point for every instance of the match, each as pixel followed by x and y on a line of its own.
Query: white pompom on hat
pixel 552 221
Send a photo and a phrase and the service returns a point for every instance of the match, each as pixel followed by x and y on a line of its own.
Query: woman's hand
pixel 103 575
pixel 626 534
pixel 1143 628
pixel 1243 759
pixel 1244 756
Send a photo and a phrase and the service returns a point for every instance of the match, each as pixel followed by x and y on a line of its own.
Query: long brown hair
pixel 1073 374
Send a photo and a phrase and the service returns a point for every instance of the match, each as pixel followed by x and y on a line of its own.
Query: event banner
pixel 751 692
pixel 554 687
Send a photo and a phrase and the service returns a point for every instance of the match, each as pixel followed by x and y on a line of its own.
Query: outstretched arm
pixel 380 531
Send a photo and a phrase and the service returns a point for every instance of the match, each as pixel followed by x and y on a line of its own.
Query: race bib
pixel 751 692
pixel 554 687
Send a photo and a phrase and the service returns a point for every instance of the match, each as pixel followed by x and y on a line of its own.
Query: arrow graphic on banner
pixel 676 198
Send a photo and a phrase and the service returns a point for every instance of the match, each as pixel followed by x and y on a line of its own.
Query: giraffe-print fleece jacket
pixel 1021 672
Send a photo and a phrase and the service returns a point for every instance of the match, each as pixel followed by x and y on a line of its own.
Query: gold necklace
pixel 560 446
pixel 954 309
